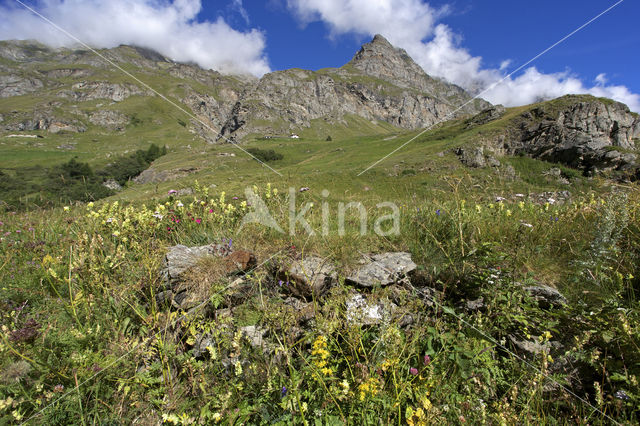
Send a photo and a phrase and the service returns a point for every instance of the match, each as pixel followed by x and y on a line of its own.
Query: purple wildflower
pixel 413 371
pixel 172 192
pixel 280 283
pixel 438 212
pixel 283 391
pixel 426 360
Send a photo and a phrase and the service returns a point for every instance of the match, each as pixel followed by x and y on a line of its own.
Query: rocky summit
pixel 380 91
pixel 381 83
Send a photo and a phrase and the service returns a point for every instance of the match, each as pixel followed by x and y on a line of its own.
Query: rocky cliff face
pixel 580 131
pixel 380 83
pixel 68 90
pixel 381 60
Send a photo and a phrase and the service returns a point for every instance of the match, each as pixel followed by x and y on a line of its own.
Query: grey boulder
pixel 309 277
pixel 383 269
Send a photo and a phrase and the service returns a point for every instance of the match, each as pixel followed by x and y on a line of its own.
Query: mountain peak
pixel 379 49
pixel 380 40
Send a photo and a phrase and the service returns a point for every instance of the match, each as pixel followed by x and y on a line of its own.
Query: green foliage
pixel 70 181
pixel 265 155
pixel 96 331
pixel 135 121
pixel 127 167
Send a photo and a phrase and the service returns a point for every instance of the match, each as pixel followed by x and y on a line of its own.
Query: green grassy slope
pixel 84 337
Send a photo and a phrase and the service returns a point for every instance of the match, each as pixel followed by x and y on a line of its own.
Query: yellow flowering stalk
pixel 321 355
pixel 368 388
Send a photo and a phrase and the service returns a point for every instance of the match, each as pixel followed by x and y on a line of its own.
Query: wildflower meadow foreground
pixel 179 311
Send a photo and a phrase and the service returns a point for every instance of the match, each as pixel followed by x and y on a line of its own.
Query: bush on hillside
pixel 265 155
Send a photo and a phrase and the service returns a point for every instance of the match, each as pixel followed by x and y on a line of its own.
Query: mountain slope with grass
pixel 481 270
pixel 381 84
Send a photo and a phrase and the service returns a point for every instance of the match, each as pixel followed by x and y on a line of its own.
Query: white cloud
pixel 169 27
pixel 413 25
pixel 238 7
pixel 601 79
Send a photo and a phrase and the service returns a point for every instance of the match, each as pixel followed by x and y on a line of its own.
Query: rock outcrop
pixel 381 83
pixel 90 90
pixel 111 120
pixel 308 278
pixel 581 131
pixel 382 270
pixel 14 85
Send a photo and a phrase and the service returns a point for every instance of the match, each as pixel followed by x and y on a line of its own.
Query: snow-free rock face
pixel 90 90
pixel 381 83
pixel 309 277
pixel 382 60
pixel 14 85
pixel 383 269
pixel 578 130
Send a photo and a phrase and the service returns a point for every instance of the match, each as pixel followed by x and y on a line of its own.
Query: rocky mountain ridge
pixel 62 91
pixel 580 131
pixel 381 83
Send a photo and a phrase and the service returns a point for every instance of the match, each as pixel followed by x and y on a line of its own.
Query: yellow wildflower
pixel 415 418
pixel 368 388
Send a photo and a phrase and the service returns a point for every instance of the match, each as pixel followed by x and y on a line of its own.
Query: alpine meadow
pixel 358 245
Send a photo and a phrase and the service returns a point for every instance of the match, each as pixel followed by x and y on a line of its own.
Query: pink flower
pixel 427 360
pixel 198 221
pixel 210 210
pixel 172 191
pixel 413 371
pixel 235 198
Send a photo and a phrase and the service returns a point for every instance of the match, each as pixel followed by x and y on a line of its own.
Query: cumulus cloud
pixel 169 27
pixel 414 26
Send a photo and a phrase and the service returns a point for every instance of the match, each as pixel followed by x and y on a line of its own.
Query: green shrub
pixel 71 181
pixel 128 167
pixel 265 155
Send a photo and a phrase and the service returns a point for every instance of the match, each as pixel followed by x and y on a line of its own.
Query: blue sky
pixel 471 43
